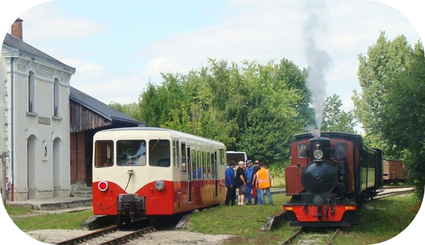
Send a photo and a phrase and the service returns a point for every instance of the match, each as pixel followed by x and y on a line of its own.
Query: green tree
pixel 391 105
pixel 131 109
pixel 335 119
pixel 249 107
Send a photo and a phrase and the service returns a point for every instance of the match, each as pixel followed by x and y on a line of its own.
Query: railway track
pixel 106 236
pixel 394 191
pixel 305 237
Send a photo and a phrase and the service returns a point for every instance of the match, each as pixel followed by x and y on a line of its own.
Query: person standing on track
pixel 229 176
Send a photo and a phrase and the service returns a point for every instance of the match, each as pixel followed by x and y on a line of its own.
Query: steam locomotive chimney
pixel 17 30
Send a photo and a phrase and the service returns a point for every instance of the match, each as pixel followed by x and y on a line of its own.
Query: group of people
pixel 254 182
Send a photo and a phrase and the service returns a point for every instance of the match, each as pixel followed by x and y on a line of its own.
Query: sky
pixel 117 47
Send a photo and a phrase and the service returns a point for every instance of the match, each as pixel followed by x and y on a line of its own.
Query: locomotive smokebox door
pixel 319 178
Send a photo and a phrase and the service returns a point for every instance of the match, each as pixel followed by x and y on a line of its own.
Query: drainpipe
pixel 12 123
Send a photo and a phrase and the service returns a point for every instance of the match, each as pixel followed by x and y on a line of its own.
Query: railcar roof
pixel 174 132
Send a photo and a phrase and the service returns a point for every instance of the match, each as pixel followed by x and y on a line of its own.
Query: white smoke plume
pixel 319 61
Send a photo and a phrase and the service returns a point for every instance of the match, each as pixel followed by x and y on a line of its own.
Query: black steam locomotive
pixel 328 177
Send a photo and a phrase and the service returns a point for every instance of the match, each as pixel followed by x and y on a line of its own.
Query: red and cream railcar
pixel 146 172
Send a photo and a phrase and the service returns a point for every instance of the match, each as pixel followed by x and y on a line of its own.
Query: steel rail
pixel 333 237
pixel 291 238
pixel 126 238
pixel 89 236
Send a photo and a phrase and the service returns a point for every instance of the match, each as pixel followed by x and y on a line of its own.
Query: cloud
pixel 246 36
pixel 103 84
pixel 247 30
pixel 271 31
pixel 86 70
pixel 53 24
pixel 122 90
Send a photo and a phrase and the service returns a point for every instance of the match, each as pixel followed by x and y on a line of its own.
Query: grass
pixel 243 222
pixel 27 219
pixel 378 221
pixel 381 220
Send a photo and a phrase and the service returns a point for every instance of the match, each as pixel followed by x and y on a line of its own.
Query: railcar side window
pixel 193 164
pixel 159 153
pixel 183 149
pixel 199 165
pixel 213 164
pixel 223 157
pixel 104 153
pixel 302 150
pixel 206 169
pixel 176 153
pixel 131 153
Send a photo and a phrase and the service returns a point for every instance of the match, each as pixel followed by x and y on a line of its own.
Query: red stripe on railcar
pixel 173 199
pixel 157 202
pixel 105 202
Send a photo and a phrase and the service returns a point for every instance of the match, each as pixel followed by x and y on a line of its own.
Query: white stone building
pixel 35 124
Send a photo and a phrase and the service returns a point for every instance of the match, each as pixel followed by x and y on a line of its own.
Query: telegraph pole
pixel 4 157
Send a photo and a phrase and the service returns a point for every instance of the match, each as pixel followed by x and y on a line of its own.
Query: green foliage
pixel 277 172
pixel 249 107
pixel 335 119
pixel 391 106
pixel 131 109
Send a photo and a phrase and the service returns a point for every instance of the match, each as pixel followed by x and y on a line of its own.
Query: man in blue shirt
pixel 249 173
pixel 229 176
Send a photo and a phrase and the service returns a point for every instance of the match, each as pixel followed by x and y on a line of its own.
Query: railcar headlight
pixel 318 154
pixel 102 185
pixel 159 185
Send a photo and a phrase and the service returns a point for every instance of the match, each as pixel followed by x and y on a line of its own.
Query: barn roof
pixel 102 109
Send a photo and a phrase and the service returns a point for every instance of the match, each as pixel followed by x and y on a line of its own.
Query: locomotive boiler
pixel 328 177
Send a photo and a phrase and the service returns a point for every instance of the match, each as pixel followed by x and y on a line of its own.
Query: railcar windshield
pixel 131 153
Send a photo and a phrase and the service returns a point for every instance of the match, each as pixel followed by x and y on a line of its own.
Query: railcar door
pixel 185 172
pixel 189 174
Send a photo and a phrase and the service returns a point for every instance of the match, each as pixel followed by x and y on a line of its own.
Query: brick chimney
pixel 17 29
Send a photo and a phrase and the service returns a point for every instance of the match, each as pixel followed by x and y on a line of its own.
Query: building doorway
pixel 56 168
pixel 31 167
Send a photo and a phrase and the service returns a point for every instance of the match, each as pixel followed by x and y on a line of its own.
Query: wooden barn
pixel 87 116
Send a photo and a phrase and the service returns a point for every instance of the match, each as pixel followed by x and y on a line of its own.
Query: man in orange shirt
pixel 264 182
